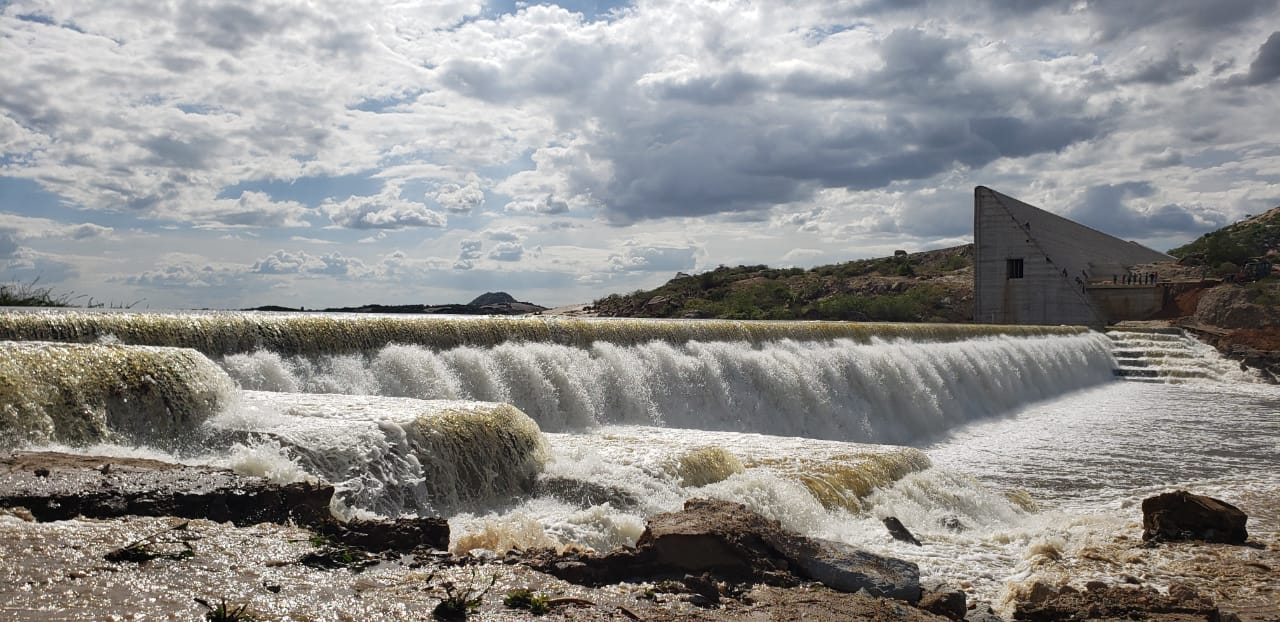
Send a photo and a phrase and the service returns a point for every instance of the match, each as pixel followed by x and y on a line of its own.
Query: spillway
pixel 411 414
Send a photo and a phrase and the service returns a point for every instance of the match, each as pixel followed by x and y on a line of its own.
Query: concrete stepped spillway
pixel 1164 355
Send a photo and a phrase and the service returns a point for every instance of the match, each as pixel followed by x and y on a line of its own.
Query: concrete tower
pixel 1034 267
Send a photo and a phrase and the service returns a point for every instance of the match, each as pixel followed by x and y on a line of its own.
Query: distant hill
pixel 1256 236
pixel 489 303
pixel 933 286
pixel 492 298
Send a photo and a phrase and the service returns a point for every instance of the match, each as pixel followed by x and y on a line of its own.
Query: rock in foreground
pixel 1181 515
pixel 730 542
pixel 1047 604
pixel 54 486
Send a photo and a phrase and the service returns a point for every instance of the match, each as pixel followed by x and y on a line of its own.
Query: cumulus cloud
pixel 545 205
pixel 387 210
pixel 460 198
pixel 654 259
pixel 329 264
pixel 251 209
pixel 507 251
pixel 468 252
pixel 186 275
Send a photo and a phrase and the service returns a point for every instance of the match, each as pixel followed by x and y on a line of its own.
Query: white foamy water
pixel 883 391
pixel 1006 448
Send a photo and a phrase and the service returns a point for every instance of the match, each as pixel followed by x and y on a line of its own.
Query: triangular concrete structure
pixel 1034 267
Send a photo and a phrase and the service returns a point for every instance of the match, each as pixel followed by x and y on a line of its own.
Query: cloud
pixel 803 256
pixel 186 275
pixel 1117 209
pixel 654 259
pixel 8 244
pixel 1265 66
pixel 330 264
pixel 468 252
pixel 1162 71
pixel 546 205
pixel 251 209
pixel 386 210
pixel 507 251
pixel 460 198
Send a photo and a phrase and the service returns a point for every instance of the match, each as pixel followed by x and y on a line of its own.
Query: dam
pixel 555 432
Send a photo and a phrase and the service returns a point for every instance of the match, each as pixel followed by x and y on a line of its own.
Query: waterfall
pixel 434 415
pixel 882 391
pixel 80 394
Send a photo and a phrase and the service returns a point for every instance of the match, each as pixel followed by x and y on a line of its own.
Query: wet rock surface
pixel 55 486
pixel 1181 515
pixel 729 542
pixel 1102 602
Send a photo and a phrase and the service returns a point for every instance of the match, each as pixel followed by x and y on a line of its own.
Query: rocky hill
pixel 1254 237
pixel 489 303
pixel 932 286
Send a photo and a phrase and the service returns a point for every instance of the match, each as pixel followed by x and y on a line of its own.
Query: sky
pixel 176 154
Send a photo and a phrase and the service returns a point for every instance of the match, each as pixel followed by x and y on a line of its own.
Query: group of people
pixel 1136 278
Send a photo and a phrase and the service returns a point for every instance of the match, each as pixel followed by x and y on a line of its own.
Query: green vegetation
pixel 929 286
pixel 222 612
pixel 1265 292
pixel 459 602
pixel 537 604
pixel 1236 243
pixel 173 543
pixel 19 294
pixel 24 294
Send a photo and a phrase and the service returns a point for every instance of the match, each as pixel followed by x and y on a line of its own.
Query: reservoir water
pixel 997 446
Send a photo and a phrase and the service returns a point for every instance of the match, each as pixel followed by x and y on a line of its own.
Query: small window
pixel 1013 268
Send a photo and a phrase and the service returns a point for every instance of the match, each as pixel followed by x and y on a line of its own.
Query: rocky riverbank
pixel 145 545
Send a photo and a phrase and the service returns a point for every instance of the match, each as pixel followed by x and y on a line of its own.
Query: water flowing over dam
pixel 531 432
pixel 408 414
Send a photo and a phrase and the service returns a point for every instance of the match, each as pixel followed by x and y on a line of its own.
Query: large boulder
pixel 731 542
pixel 1181 515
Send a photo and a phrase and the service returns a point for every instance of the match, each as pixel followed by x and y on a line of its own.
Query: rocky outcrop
pixel 54 486
pixel 1181 515
pixel 732 543
pixel 1044 603
pixel 1228 306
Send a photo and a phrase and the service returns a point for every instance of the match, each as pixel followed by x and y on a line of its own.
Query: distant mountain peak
pixel 492 298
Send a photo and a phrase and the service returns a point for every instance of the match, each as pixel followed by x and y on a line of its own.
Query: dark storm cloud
pixel 727 88
pixel 1118 18
pixel 1265 66
pixel 1167 70
pixel 1013 137
pixel 929 113
pixel 729 167
pixel 1105 207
